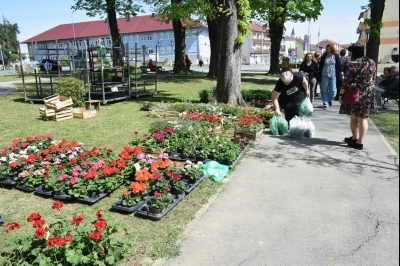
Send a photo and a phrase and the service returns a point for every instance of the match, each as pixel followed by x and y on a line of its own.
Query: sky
pixel 338 21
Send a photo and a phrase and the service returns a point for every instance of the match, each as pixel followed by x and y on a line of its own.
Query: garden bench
pixel 387 96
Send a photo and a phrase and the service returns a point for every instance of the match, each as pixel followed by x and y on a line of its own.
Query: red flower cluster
pixel 204 117
pixel 11 226
pixel 249 119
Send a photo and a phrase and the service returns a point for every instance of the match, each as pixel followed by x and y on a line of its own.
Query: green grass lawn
pixel 113 127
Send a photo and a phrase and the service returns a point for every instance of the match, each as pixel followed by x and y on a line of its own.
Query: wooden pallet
pixel 82 113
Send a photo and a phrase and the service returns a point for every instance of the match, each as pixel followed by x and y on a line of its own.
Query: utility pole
pixel 308 39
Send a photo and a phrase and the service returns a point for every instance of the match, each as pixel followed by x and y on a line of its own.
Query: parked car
pixel 48 65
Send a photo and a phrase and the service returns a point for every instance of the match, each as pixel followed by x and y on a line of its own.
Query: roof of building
pixel 256 27
pixel 79 30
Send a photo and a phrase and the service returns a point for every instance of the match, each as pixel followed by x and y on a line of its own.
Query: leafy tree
pixel 8 39
pixel 276 13
pixel 110 8
pixel 375 26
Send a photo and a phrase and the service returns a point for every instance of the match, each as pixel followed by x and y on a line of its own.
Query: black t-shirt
pixel 312 69
pixel 293 92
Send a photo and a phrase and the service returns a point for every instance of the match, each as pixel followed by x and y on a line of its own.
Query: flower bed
pixel 65 241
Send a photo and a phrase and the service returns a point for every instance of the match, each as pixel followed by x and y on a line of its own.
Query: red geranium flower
pixel 68 238
pixel 11 226
pixel 38 223
pixel 100 225
pixel 34 216
pixel 95 235
pixel 76 219
pixel 99 215
pixel 57 205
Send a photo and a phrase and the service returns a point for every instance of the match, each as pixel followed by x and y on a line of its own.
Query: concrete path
pixel 6 88
pixel 312 201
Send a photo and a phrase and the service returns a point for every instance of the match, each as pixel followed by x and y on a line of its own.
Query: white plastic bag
pixel 309 128
pixel 296 129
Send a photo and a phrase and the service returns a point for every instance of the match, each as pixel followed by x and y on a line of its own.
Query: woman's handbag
pixel 351 97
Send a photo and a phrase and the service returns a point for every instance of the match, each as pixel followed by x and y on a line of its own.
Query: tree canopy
pixel 8 37
pixel 276 12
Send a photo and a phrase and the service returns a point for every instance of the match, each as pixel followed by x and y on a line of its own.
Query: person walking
pixel 188 63
pixel 330 70
pixel 201 64
pixel 361 75
pixel 291 89
pixel 344 60
pixel 317 57
pixel 310 67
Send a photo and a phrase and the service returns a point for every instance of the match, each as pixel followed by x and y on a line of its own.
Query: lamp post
pixel 144 47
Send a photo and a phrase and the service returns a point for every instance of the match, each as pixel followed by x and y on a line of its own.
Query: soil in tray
pixel 93 197
pixel 144 211
pixel 117 206
pixel 191 185
pixel 8 183
pixel 42 191
pixel 25 188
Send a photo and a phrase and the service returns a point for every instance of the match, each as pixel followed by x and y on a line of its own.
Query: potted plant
pixel 137 192
pixel 192 171
pixel 160 201
pixel 68 241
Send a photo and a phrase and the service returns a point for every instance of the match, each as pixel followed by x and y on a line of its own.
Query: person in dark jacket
pixel 330 71
pixel 310 67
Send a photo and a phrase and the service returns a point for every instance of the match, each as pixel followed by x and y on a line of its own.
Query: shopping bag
pixel 306 108
pixel 296 129
pixel 309 128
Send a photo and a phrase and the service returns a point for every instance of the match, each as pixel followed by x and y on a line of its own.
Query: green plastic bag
pixel 215 170
pixel 283 125
pixel 273 125
pixel 306 108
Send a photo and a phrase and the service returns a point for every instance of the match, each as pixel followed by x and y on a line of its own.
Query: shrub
pixel 74 88
pixel 249 95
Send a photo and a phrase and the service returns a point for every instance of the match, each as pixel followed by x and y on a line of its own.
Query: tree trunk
pixel 275 34
pixel 180 45
pixel 229 77
pixel 374 40
pixel 115 36
pixel 213 34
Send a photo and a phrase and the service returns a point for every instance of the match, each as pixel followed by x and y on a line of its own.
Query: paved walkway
pixel 312 201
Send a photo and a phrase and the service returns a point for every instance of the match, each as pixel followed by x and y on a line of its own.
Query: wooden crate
pixel 155 152
pixel 57 102
pixel 64 114
pixel 82 113
pixel 251 135
pixel 46 112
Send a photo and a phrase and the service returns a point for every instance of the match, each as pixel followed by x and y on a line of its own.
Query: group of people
pixel 336 73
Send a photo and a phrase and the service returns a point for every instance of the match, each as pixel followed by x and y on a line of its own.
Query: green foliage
pixel 74 88
pixel 8 37
pixel 249 95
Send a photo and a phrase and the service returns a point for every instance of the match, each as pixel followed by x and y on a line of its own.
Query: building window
pixel 108 42
pixel 60 45
pixel 149 37
pixel 169 49
pixel 168 35
pixel 80 43
pixel 142 37
pixel 162 50
pixel 125 39
pixel 155 36
pixel 161 36
pixel 137 38
pixel 150 51
pixel 131 38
